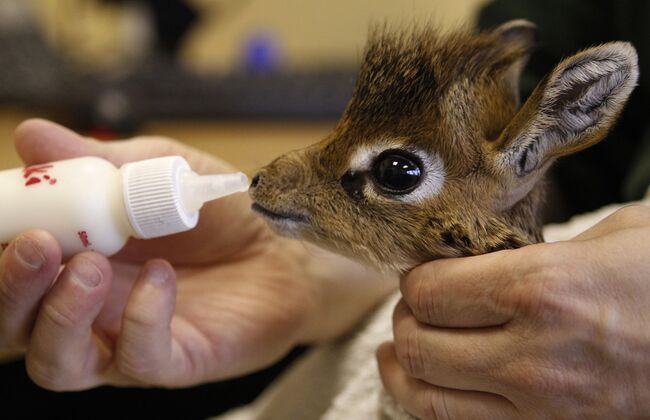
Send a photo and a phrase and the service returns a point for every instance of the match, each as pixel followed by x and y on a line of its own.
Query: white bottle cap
pixel 163 196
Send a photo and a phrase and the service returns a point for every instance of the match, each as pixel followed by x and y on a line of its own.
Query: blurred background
pixel 251 79
pixel 114 65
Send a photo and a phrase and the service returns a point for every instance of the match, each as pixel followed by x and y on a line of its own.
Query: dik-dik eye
pixel 397 172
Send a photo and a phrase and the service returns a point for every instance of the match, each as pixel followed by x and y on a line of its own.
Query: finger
pixel 63 353
pixel 426 401
pixel 28 268
pixel 39 141
pixel 146 350
pixel 449 357
pixel 463 292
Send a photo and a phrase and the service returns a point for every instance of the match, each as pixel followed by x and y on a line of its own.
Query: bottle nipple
pixel 197 190
pixel 163 195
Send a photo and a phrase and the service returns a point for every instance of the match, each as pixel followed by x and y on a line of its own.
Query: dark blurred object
pixel 618 168
pixel 21 399
pixel 172 20
pixel 173 93
pixel 34 76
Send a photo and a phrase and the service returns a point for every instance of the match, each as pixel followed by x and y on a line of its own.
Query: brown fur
pixel 454 97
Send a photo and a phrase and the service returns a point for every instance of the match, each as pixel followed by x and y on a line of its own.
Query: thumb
pixel 146 348
pixel 41 141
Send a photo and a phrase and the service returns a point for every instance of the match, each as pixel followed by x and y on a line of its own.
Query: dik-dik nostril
pixel 255 180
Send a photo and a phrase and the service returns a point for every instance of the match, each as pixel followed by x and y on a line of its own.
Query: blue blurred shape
pixel 262 53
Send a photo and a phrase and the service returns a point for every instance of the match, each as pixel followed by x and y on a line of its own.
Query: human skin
pixel 558 330
pixel 224 299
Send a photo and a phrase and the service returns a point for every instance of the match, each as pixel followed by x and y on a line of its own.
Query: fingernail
pixel 29 253
pixel 86 273
pixel 156 274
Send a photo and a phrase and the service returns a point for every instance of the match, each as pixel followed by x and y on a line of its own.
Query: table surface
pixel 247 145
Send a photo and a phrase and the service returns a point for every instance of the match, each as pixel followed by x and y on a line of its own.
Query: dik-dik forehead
pixel 455 81
pixel 406 73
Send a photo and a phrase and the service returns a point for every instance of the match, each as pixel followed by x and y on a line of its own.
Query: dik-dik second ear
pixel 570 110
pixel 515 39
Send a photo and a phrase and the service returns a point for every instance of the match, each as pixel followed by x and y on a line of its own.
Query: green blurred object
pixel 618 168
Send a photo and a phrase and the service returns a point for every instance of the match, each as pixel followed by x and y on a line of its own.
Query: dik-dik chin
pixel 434 157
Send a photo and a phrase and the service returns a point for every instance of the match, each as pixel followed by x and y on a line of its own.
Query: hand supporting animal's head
pixel 433 156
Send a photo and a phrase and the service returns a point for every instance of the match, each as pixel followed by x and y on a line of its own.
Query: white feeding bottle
pixel 90 205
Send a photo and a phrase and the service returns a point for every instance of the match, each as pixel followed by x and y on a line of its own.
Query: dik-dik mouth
pixel 275 216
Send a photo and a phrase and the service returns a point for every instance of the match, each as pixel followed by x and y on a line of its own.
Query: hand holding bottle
pixel 238 299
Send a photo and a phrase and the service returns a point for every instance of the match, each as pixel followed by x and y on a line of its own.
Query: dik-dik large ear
pixel 515 41
pixel 570 110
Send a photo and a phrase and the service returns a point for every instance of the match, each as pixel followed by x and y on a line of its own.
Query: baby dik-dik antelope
pixel 433 156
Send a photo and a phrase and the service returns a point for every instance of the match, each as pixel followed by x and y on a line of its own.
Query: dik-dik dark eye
pixel 397 172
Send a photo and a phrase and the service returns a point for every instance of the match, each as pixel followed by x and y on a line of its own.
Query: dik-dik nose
pixel 265 179
pixel 255 180
pixel 285 174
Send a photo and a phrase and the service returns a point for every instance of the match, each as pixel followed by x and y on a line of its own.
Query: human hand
pixel 239 299
pixel 559 330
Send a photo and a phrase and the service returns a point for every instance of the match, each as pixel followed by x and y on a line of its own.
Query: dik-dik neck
pixel 524 216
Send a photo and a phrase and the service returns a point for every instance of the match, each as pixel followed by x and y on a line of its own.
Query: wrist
pixel 342 292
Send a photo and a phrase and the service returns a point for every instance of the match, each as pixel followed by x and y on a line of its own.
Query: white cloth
pixel 340 381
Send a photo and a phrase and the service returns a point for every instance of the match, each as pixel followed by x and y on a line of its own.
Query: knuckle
pixel 536 379
pixel 139 367
pixel 421 295
pixel 409 353
pixel 60 316
pixel 47 375
pixel 139 319
pixel 419 275
pixel 427 307
pixel 544 289
pixel 632 214
pixel 433 404
pixel 541 302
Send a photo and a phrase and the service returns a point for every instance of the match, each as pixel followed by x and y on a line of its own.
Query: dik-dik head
pixel 434 156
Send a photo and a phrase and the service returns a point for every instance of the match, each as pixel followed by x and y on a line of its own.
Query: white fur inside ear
pixel 433 170
pixel 594 85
